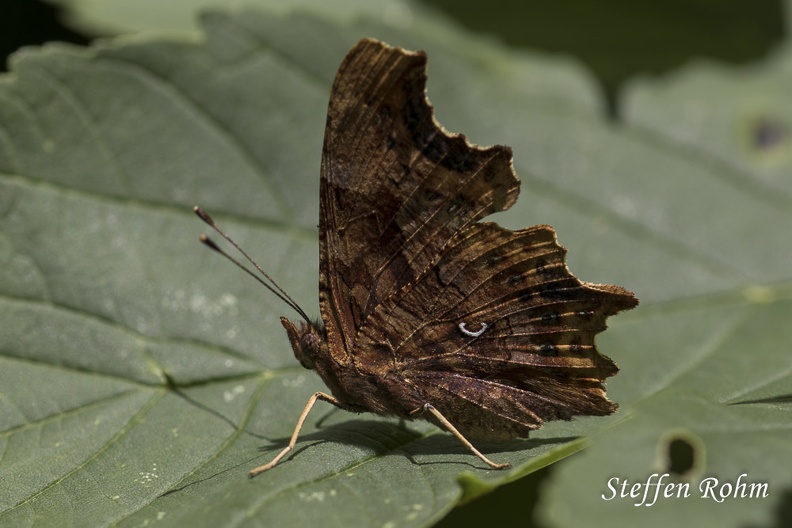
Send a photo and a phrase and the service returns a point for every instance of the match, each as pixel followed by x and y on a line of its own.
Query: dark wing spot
pixel 559 290
pixel 550 317
pixel 430 195
pixel 494 259
pixel 456 203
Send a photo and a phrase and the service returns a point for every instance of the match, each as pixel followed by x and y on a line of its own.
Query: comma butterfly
pixel 427 311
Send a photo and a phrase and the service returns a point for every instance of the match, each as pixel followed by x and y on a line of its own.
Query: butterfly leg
pixel 308 406
pixel 453 430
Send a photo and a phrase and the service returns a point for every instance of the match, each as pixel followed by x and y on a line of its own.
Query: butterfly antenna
pixel 277 290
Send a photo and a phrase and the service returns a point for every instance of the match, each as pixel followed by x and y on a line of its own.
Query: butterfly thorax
pixel 358 390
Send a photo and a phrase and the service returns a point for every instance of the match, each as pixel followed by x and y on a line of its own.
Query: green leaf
pixel 619 39
pixel 709 369
pixel 142 376
pixel 120 16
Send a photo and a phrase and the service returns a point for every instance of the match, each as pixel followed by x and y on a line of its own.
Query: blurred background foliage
pixel 616 40
pixel 619 39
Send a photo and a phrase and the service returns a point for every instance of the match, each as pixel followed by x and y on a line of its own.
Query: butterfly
pixel 426 311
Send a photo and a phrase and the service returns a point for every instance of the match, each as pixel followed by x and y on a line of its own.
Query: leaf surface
pixel 141 376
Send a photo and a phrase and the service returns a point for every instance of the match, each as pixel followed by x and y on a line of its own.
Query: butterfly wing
pixel 486 324
pixel 395 187
pixel 499 335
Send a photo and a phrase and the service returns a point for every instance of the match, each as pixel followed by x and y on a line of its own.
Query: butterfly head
pixel 308 341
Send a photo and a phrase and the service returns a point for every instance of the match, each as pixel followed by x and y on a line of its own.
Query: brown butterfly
pixel 426 311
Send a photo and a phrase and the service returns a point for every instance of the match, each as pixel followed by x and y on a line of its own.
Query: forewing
pixel 395 187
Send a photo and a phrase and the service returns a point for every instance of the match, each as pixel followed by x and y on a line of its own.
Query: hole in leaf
pixel 681 453
pixel 681 456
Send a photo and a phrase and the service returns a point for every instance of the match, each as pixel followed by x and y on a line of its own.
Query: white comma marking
pixel 464 330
